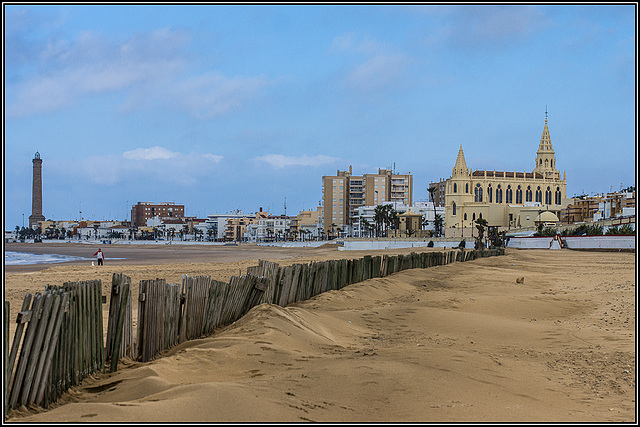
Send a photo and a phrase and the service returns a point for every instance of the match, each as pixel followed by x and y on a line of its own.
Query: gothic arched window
pixel 453 208
pixel 509 194
pixel 455 187
pixel 478 192
pixel 529 194
pixel 499 194
pixel 547 196
pixel 539 195
pixel 558 196
pixel 519 195
pixel 489 194
pixel 466 188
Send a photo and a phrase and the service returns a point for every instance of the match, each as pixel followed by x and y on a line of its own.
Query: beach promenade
pixel 464 342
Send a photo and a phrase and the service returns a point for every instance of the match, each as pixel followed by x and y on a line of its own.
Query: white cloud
pixel 377 72
pixel 493 26
pixel 280 161
pixel 156 163
pixel 147 68
pixel 379 65
pixel 211 95
pixel 351 43
pixel 152 153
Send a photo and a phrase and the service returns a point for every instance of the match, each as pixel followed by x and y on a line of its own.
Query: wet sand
pixel 457 343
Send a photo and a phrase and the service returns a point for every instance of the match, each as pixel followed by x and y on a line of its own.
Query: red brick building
pixel 143 211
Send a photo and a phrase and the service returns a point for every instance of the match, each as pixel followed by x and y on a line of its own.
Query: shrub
pixel 624 230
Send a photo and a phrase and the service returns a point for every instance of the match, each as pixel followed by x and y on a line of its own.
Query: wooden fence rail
pixel 120 324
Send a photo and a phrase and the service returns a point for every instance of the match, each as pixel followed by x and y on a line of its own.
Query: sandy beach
pixel 462 342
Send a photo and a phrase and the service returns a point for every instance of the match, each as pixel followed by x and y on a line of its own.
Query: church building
pixel 505 199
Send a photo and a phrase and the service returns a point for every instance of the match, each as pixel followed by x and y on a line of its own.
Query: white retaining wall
pixel 575 242
pixel 309 244
pixel 367 245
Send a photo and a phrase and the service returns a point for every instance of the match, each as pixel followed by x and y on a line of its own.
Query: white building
pixel 218 223
pixel 268 229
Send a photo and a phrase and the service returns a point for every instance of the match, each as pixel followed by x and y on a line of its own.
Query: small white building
pixel 267 229
pixel 218 223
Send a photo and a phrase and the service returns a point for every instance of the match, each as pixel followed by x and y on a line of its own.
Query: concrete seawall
pixel 365 245
pixel 576 242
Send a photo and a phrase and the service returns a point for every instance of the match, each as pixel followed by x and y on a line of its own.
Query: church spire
pixel 545 156
pixel 461 165
pixel 545 140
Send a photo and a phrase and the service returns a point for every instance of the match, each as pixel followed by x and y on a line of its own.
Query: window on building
pixel 538 195
pixel 529 194
pixel 547 196
pixel 558 196
pixel 465 216
pixel 455 187
pixel 474 216
pixel 499 194
pixel 453 208
pixel 478 193
pixel 490 194
pixel 466 188
pixel 509 194
pixel 519 195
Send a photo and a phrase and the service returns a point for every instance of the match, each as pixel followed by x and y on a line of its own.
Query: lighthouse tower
pixel 36 195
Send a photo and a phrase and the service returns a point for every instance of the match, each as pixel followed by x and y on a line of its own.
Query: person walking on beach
pixel 100 256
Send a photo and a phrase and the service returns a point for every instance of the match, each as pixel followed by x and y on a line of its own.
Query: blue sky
pixel 241 106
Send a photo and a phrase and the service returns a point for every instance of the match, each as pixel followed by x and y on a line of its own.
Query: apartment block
pixel 142 211
pixel 440 190
pixel 343 193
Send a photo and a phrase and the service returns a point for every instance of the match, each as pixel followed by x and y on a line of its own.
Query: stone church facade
pixel 505 199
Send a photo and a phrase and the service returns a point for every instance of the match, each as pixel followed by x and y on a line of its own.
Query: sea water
pixel 22 258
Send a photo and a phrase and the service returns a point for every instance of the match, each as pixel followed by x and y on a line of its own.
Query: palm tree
pixel 392 218
pixel 481 224
pixel 432 192
pixel 437 224
pixel 378 218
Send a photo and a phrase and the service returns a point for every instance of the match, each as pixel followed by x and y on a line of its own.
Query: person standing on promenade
pixel 100 256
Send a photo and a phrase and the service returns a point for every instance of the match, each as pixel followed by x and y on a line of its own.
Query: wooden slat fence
pixel 61 346
pixel 63 341
pixel 159 308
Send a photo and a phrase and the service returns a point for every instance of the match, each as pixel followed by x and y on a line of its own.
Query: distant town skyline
pixel 225 107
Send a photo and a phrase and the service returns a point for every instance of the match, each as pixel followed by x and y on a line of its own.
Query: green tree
pixel 432 193
pixel 481 224
pixel 437 224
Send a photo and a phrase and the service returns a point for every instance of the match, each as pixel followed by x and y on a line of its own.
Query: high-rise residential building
pixel 439 191
pixel 343 193
pixel 142 211
pixel 36 196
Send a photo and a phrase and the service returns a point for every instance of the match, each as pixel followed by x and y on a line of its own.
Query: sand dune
pixel 462 342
